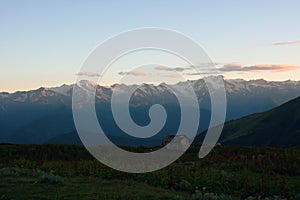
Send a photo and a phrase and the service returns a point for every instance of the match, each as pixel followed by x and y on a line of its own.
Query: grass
pixel 20 188
pixel 69 172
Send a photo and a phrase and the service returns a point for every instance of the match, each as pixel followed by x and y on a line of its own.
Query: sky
pixel 44 43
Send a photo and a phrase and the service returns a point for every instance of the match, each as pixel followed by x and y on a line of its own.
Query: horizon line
pixel 70 84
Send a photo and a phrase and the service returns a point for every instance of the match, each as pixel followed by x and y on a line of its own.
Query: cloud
pixel 173 76
pixel 274 67
pixel 208 64
pixel 133 73
pixel 203 73
pixel 235 66
pixel 296 42
pixel 89 74
pixel 165 68
pixel 238 67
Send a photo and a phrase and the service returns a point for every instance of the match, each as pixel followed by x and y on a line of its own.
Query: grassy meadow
pixel 69 172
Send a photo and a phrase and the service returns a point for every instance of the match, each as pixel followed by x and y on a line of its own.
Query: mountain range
pixel 45 115
pixel 278 127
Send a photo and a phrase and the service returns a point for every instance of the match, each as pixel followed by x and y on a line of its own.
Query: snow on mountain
pixel 143 92
pixel 65 90
pixel 53 105
pixel 4 95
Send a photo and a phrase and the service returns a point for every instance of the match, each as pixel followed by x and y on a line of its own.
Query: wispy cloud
pixel 173 76
pixel 258 67
pixel 212 72
pixel 235 66
pixel 296 42
pixel 208 64
pixel 89 74
pixel 133 73
pixel 165 68
pixel 239 67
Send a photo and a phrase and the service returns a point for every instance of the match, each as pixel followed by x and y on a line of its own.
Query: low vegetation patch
pixel 226 173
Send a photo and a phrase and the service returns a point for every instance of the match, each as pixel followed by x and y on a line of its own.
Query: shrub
pixel 174 197
pixel 185 186
pixel 50 178
pixel 198 195
pixel 15 171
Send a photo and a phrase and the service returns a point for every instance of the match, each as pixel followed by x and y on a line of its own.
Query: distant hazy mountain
pixel 40 115
pixel 278 127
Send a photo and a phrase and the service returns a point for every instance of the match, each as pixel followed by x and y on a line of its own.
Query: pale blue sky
pixel 43 43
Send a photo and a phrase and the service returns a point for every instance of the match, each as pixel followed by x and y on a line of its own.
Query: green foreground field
pixel 20 188
pixel 69 172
